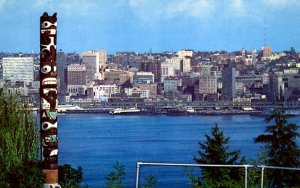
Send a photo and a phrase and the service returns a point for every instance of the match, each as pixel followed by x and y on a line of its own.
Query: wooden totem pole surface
pixel 48 95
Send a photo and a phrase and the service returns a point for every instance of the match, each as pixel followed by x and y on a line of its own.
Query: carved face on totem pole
pixel 48 91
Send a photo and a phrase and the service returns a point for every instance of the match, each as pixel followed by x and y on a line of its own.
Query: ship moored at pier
pixel 119 111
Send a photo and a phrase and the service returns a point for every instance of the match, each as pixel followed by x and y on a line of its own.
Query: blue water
pixel 96 141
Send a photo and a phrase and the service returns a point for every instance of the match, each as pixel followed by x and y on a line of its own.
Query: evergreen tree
pixel 215 151
pixel 69 177
pixel 281 149
pixel 115 179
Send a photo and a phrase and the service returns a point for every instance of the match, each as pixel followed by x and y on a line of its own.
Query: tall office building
pixel 207 80
pixel 228 82
pixel 166 71
pixel 175 62
pixel 154 66
pixel 18 69
pixel 276 87
pixel 94 61
pixel 185 53
pixel 267 51
pixel 185 64
pixel 243 52
pixel 61 64
pixel 254 55
pixel 76 77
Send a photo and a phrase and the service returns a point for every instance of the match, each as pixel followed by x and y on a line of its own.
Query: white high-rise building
pixel 175 62
pixel 94 61
pixel 185 53
pixel 186 65
pixel 166 70
pixel 18 69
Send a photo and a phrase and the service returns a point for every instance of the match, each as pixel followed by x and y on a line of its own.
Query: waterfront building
pixel 143 78
pixel 228 82
pixel 102 92
pixel 76 78
pixel 151 87
pixel 18 69
pixel 136 91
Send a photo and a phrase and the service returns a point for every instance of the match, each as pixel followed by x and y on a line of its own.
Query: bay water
pixel 96 141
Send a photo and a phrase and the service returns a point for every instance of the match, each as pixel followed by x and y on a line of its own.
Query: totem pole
pixel 48 95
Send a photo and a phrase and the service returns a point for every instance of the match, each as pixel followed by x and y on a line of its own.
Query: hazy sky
pixel 160 25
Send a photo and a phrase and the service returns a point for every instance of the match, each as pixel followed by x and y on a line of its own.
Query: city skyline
pixel 141 25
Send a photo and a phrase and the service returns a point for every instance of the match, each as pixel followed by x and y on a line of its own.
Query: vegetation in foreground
pixel 215 150
pixel 19 144
pixel 281 150
pixel 19 148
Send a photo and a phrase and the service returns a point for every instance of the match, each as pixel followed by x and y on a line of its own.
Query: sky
pixel 157 25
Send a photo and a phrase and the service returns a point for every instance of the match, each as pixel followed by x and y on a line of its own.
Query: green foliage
pixel 69 177
pixel 19 144
pixel 150 182
pixel 281 149
pixel 115 179
pixel 195 181
pixel 215 151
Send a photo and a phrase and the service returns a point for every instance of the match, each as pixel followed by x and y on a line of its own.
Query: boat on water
pixel 119 111
pixel 66 107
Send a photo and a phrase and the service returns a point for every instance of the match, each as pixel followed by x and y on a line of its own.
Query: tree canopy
pixel 19 144
pixel 281 149
pixel 215 150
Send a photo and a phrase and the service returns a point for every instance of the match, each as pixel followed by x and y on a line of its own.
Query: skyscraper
pixel 153 65
pixel 61 70
pixel 76 77
pixel 18 69
pixel 94 61
pixel 207 80
pixel 267 51
pixel 228 82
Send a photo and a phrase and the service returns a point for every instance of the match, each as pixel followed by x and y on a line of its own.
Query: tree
pixel 19 144
pixel 115 179
pixel 215 151
pixel 69 177
pixel 150 182
pixel 281 149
